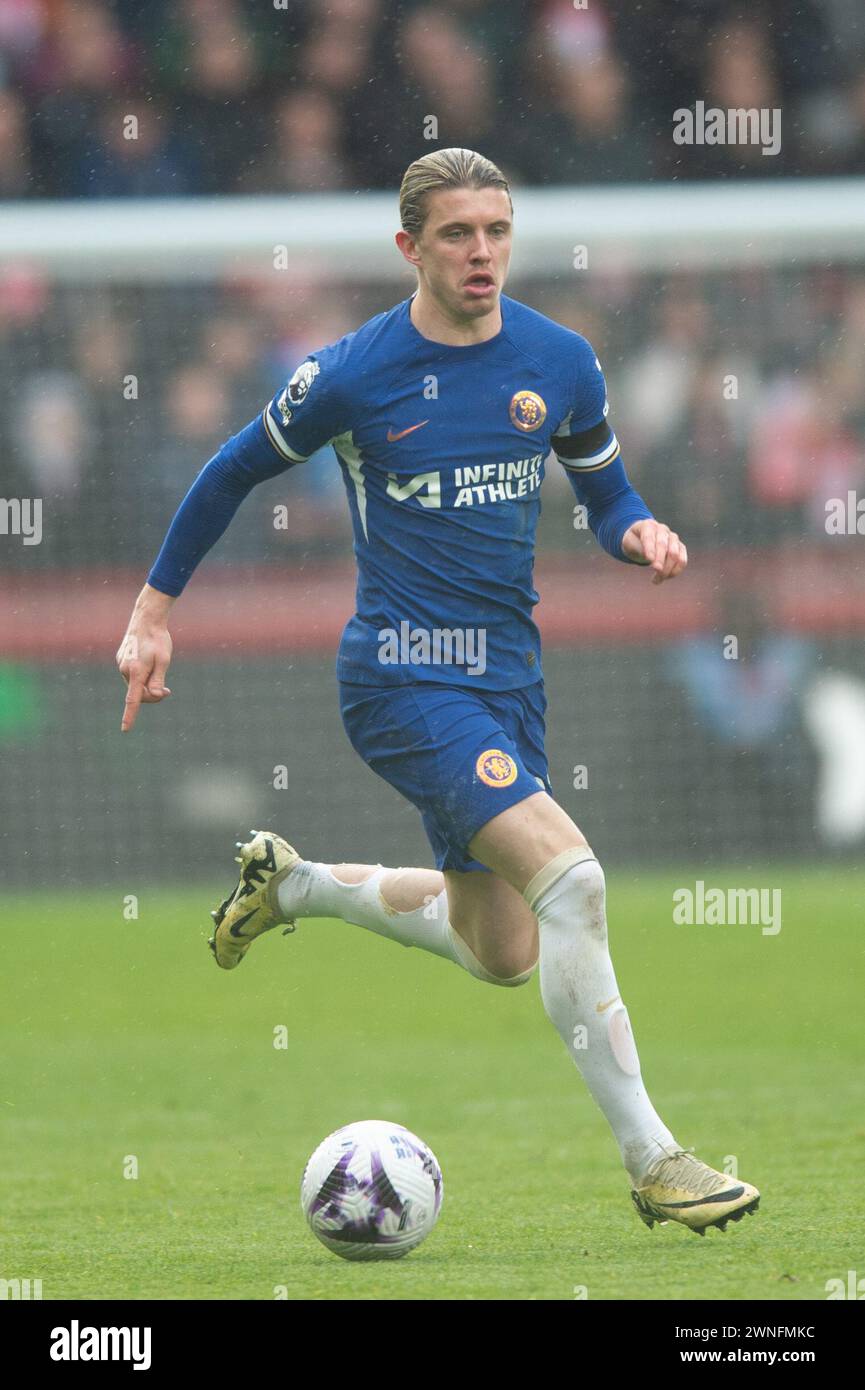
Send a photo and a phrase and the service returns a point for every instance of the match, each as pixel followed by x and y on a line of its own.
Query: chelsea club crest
pixel 527 410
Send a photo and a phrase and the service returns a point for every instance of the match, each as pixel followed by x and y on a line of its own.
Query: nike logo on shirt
pixel 392 435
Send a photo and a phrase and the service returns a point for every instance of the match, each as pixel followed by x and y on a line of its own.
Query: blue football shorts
pixel 460 756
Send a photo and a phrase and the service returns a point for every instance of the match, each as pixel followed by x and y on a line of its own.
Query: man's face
pixel 464 249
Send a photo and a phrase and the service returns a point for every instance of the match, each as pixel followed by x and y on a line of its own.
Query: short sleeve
pixel 584 440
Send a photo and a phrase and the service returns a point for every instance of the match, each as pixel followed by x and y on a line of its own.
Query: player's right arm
pixel 287 432
pixel 144 653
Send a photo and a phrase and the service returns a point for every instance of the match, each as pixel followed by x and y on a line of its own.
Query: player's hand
pixel 144 655
pixel 654 544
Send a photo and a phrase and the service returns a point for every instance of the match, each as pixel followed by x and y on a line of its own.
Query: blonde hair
pixel 452 168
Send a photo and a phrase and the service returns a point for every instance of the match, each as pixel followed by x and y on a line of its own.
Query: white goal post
pixel 639 226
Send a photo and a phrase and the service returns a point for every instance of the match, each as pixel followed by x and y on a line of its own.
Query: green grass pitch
pixel 121 1039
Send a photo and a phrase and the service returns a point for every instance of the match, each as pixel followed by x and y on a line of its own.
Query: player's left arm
pixel 588 450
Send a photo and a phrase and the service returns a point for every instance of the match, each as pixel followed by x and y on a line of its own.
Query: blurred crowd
pixel 736 396
pixel 113 98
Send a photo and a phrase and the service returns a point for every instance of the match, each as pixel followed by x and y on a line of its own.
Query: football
pixel 372 1191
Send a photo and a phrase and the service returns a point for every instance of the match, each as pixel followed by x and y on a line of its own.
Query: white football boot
pixel 681 1188
pixel 253 907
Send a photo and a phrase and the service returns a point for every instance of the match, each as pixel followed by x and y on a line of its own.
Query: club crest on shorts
pixel 495 768
pixel 528 411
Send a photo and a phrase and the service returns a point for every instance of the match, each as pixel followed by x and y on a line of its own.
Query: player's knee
pixel 593 891
pixel 512 981
pixel 577 874
pixel 510 965
pixel 495 961
pixel 506 971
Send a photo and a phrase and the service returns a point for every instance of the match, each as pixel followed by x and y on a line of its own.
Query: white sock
pixel 311 890
pixel 581 997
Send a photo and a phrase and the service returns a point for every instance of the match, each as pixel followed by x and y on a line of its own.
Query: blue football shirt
pixel 442 451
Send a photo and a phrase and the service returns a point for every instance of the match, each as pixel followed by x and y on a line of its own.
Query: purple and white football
pixel 372 1191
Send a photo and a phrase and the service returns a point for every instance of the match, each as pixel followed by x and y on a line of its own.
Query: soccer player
pixel 441 413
